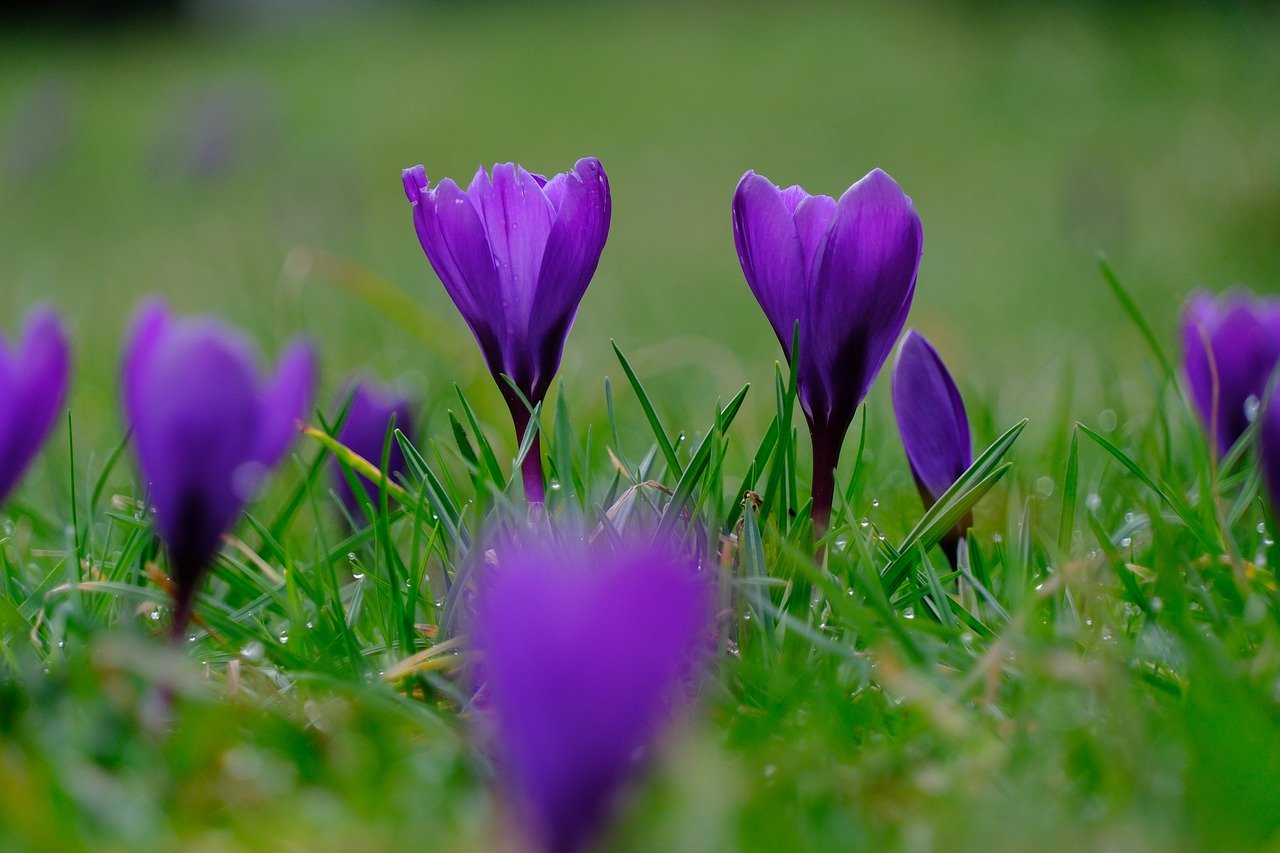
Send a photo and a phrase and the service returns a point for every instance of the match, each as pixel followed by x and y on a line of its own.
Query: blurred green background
pixel 203 156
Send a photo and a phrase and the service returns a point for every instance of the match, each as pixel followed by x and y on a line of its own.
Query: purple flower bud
pixel 584 655
pixel 1242 333
pixel 846 272
pixel 515 253
pixel 33 386
pixel 365 431
pixel 931 418
pixel 933 426
pixel 206 428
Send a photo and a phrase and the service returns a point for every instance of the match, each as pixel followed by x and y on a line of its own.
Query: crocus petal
pixel 415 183
pixel 38 373
pixel 286 399
pixel 862 286
pixel 1231 346
pixel 517 217
pixel 582 657
pixel 931 417
pixel 454 240
pixel 770 251
pixel 573 250
pixel 148 328
pixel 813 217
pixel 195 430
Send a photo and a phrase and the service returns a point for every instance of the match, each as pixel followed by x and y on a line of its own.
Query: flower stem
pixel 531 467
pixel 531 471
pixel 826 453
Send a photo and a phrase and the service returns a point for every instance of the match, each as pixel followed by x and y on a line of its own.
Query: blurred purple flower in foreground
pixel 516 252
pixel 583 656
pixel 33 386
pixel 1243 336
pixel 846 272
pixel 932 423
pixel 206 428
pixel 364 431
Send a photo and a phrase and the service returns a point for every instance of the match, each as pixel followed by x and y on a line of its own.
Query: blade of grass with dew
pixel 953 505
pixel 651 415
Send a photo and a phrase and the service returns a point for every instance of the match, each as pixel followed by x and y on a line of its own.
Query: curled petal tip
pixel 415 182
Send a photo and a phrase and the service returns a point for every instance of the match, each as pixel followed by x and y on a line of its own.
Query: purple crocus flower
pixel 1242 333
pixel 33 386
pixel 206 428
pixel 516 252
pixel 846 272
pixel 583 656
pixel 932 423
pixel 364 431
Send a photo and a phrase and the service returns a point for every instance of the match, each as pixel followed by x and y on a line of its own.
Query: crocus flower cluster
pixel 516 252
pixel 34 373
pixel 1230 348
pixel 845 271
pixel 932 423
pixel 370 413
pixel 206 428
pixel 583 654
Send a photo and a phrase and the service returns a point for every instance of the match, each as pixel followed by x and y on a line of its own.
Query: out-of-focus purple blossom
pixel 931 417
pixel 583 657
pixel 368 419
pixel 1234 338
pixel 206 428
pixel 516 252
pixel 34 373
pixel 846 272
